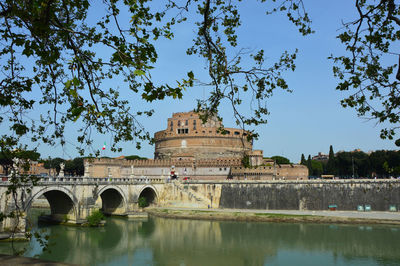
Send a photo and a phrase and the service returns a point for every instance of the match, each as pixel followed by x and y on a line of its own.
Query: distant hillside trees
pixel 357 164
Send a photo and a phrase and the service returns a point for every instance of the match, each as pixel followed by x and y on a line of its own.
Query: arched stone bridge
pixel 73 199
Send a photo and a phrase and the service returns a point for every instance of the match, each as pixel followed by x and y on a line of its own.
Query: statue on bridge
pixel 61 174
pixel 86 173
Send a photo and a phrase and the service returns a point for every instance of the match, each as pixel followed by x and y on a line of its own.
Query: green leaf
pixel 139 72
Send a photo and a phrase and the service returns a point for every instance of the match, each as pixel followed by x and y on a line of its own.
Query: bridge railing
pixel 96 180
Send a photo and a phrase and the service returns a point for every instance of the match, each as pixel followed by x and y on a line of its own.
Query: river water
pixel 159 241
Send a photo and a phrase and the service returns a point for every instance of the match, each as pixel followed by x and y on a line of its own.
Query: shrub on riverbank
pixel 143 202
pixel 95 218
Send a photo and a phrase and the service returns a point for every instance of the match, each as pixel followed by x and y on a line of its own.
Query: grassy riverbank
pixel 248 216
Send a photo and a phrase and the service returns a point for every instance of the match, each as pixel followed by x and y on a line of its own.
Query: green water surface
pixel 158 241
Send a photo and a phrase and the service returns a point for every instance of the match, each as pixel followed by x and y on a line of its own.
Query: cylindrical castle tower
pixel 187 136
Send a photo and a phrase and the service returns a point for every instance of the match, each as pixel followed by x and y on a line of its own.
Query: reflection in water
pixel 160 241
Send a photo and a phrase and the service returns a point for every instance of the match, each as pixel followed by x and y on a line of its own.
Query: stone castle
pixel 189 148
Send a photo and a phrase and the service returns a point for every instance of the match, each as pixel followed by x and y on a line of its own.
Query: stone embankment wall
pixel 298 195
pixel 312 195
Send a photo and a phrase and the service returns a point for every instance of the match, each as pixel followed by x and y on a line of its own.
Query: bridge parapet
pixel 71 180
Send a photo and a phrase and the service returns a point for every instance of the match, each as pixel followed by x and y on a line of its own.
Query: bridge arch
pixel 113 200
pixel 63 203
pixel 149 193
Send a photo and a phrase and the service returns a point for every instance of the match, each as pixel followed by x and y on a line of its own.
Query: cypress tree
pixel 309 166
pixel 331 165
pixel 303 160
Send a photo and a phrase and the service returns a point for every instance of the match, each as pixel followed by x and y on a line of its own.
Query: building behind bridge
pixel 189 148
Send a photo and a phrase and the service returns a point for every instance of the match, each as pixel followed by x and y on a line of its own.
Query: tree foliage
pixel 380 164
pixel 331 165
pixel 143 202
pixel 49 54
pixel 74 167
pixel 357 160
pixel 303 159
pixel 370 71
pixel 134 157
pixel 280 159
pixel 309 166
pixel 53 164
pixel 317 168
pixel 95 218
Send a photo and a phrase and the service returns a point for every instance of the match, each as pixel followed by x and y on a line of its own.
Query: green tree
pixel 79 167
pixel 74 167
pixel 377 159
pixel 331 164
pixel 280 159
pixel 309 166
pixel 134 157
pixel 317 168
pixel 393 158
pixel 385 163
pixel 53 164
pixel 369 69
pixel 359 161
pixel 303 160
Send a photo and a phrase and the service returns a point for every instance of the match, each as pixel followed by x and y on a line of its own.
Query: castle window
pixel 179 123
pixel 194 124
pixel 172 126
pixel 186 122
pixel 237 133
pixel 186 130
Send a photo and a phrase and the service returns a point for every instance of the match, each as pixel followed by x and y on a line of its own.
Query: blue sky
pixel 305 121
